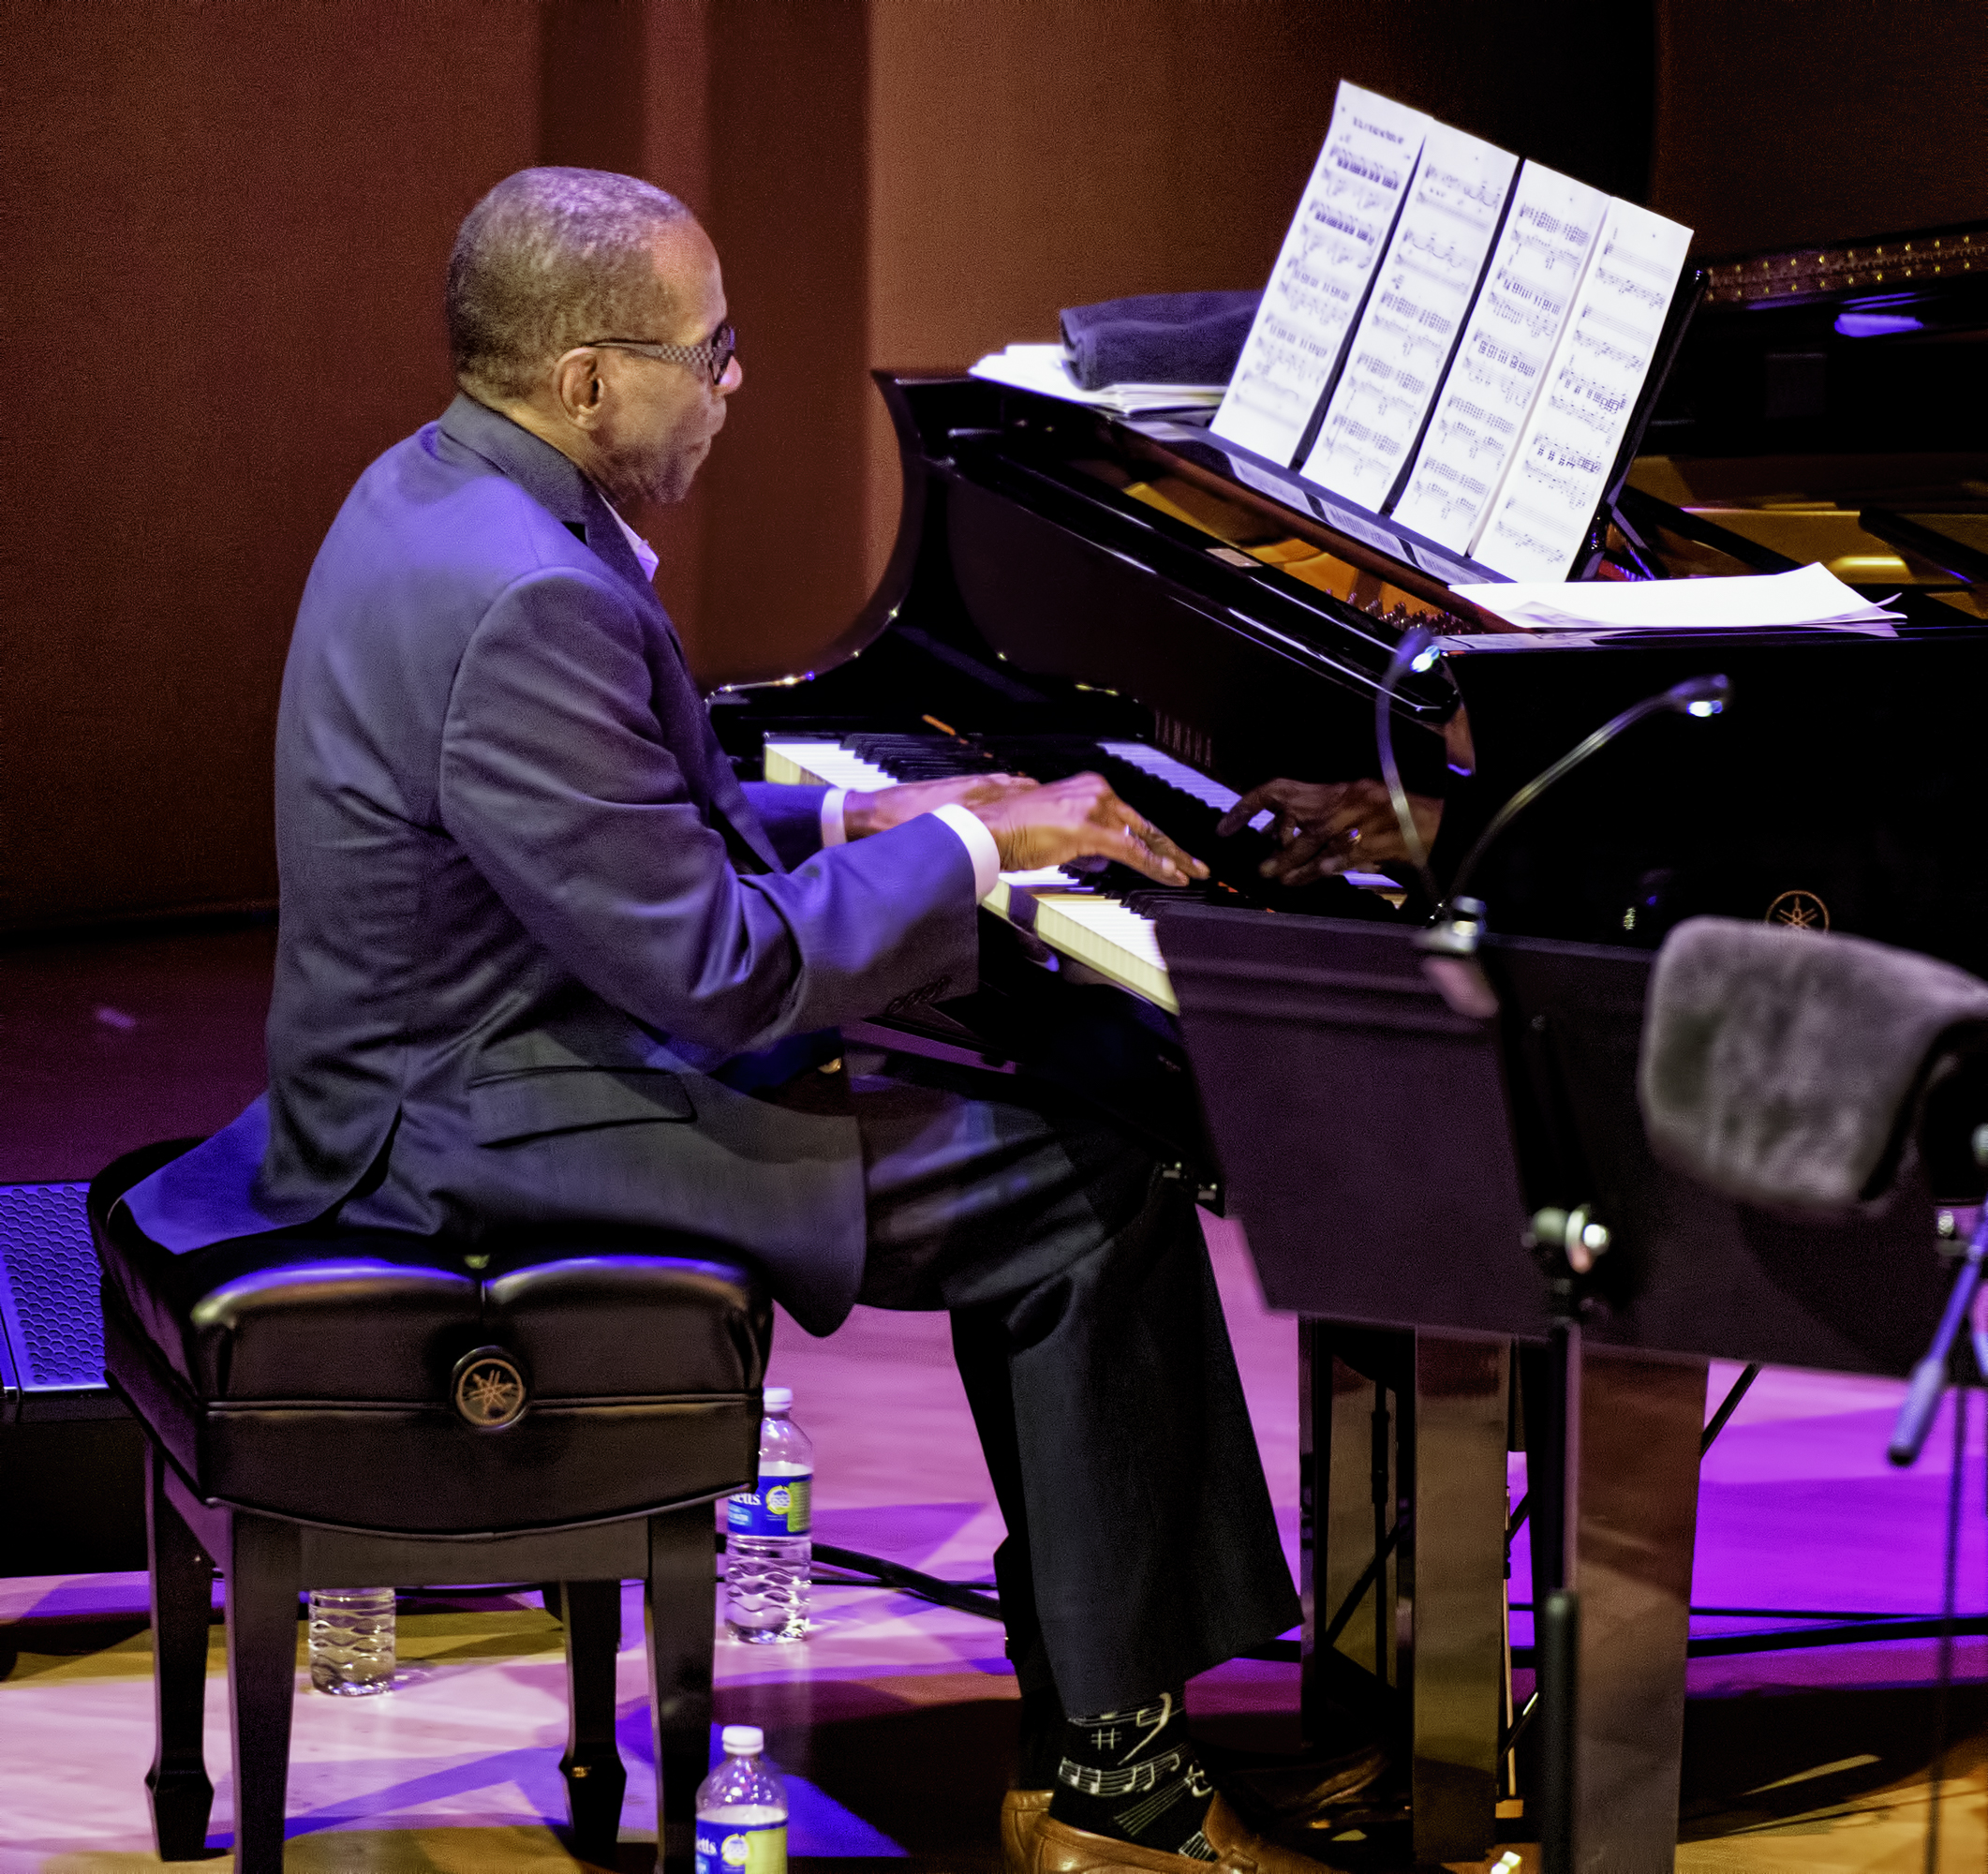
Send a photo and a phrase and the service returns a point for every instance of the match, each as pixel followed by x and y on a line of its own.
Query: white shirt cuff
pixel 979 842
pixel 833 832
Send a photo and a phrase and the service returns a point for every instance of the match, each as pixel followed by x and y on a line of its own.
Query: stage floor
pixel 893 1724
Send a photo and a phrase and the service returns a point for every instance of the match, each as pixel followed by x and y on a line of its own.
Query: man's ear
pixel 577 388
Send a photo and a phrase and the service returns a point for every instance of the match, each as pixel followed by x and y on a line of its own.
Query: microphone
pixel 1417 650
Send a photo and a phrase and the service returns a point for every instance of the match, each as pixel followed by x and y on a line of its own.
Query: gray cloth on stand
pixel 1158 339
pixel 1777 1065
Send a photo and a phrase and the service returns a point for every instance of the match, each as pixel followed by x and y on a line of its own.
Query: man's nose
pixel 735 376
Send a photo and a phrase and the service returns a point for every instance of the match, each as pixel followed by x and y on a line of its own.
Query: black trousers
pixel 1141 1548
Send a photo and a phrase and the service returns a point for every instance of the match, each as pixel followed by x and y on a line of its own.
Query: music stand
pixel 1387 1156
pixel 1369 1140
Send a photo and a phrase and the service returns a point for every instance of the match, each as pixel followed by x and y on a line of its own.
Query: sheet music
pixel 1294 494
pixel 1335 238
pixel 1503 357
pixel 1808 596
pixel 1360 527
pixel 1284 487
pixel 1409 328
pixel 1539 520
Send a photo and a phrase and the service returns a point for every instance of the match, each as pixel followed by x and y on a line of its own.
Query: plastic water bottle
pixel 742 1810
pixel 351 1640
pixel 767 1547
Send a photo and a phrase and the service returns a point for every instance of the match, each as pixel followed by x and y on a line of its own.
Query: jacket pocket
pixel 517 1107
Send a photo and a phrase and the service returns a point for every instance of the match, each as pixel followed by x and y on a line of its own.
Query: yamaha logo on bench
pixel 487 1390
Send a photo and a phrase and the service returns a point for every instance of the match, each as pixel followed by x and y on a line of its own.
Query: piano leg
pixel 1348 1379
pixel 1455 1594
pixel 1403 1435
pixel 1640 1419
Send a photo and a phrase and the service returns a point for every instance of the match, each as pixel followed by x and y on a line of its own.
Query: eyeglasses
pixel 714 357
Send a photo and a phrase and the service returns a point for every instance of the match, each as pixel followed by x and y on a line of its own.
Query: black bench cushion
pixel 308 1373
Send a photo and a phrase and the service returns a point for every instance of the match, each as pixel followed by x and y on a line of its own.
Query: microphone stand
pixel 1566 1242
pixel 1930 1379
pixel 1568 1245
pixel 1934 1373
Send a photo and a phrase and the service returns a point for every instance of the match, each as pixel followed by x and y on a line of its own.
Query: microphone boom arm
pixel 1694 696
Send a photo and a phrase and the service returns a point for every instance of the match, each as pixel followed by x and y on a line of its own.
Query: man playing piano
pixel 514 855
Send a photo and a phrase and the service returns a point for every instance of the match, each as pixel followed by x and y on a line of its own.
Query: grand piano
pixel 1072 591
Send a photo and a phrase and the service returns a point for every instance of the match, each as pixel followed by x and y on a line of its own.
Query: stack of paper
pixel 1043 368
pixel 1811 595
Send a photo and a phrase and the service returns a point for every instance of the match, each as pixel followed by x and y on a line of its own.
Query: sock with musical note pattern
pixel 1132 1776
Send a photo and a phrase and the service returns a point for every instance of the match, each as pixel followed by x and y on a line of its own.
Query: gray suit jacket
pixel 537 946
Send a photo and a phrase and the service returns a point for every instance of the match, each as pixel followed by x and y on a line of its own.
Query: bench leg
pixel 263 1585
pixel 182 1580
pixel 679 1607
pixel 595 1777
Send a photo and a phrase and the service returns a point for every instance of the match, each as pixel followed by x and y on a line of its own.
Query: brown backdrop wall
pixel 1780 122
pixel 222 301
pixel 1040 154
pixel 227 226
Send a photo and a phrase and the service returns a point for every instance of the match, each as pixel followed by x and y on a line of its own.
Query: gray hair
pixel 548 260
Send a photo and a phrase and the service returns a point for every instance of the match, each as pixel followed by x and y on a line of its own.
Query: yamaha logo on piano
pixel 1798 911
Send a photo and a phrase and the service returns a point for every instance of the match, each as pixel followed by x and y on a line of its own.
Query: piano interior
pixel 1828 408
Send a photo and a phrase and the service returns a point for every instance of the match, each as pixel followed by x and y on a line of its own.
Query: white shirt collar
pixel 643 551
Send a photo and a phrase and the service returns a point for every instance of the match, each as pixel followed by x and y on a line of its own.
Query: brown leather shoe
pixel 1022 1812
pixel 1064 1849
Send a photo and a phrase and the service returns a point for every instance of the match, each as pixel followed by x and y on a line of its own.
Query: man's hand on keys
pixel 1080 818
pixel 1329 826
pixel 888 807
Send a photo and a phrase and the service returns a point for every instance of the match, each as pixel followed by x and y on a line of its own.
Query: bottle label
pixel 742 1848
pixel 779 1507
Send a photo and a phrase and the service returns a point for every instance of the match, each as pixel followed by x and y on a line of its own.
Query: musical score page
pixel 1500 363
pixel 1406 335
pixel 1329 254
pixel 1539 520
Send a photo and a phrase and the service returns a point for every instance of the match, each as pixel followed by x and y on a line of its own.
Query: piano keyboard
pixel 1077 920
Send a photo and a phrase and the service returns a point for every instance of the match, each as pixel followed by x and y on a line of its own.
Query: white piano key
pixel 823 764
pixel 1118 944
pixel 1129 930
pixel 1041 875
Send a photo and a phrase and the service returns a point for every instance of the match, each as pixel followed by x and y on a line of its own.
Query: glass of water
pixel 351 1640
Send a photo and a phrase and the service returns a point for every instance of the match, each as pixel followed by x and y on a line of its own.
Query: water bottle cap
pixel 743 1740
pixel 779 1398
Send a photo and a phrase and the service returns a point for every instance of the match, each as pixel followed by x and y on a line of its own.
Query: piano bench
pixel 328 1407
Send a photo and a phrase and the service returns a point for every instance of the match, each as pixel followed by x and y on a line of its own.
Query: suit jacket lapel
pixel 551 480
pixel 556 482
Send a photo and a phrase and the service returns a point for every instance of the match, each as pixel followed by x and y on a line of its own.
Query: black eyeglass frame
pixel 714 357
